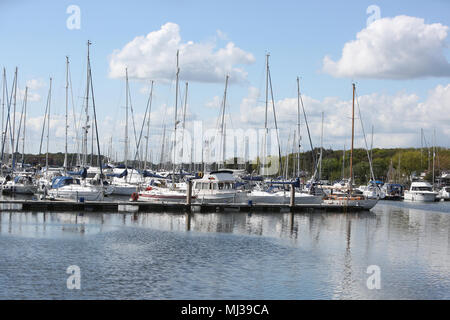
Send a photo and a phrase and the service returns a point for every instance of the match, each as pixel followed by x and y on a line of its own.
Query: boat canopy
pixel 118 175
pixel 82 173
pixel 21 179
pixel 59 182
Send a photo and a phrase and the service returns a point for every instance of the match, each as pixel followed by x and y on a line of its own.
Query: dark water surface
pixel 228 255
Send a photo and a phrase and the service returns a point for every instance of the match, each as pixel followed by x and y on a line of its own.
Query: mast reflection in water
pixel 228 255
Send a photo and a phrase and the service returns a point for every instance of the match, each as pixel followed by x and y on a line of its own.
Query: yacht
pixel 160 195
pixel 420 191
pixel 65 187
pixel 217 187
pixel 273 196
pixel 351 201
pixel 21 184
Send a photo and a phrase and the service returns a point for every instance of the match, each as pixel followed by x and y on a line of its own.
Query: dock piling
pixel 292 198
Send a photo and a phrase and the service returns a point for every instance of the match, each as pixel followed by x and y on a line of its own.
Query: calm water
pixel 228 255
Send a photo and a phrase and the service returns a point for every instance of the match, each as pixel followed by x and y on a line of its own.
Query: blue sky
pixel 298 35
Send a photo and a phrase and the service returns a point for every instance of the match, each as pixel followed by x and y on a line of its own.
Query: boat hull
pixel 420 196
pixel 76 194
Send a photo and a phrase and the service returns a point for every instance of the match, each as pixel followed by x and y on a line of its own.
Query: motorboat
pixel 218 187
pixel 420 191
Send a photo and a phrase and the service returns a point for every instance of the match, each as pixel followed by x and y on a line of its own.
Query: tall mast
pixel 263 163
pixel 148 126
pixel 298 127
pixel 434 154
pixel 86 127
pixel 321 150
pixel 223 120
pixel 3 115
pixel 371 147
pixel 126 120
pixel 67 112
pixel 175 116
pixel 48 126
pixel 184 120
pixel 343 163
pixel 14 119
pixel 24 124
pixel 353 137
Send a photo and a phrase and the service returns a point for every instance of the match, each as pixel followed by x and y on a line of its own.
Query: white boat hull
pixel 365 204
pixel 87 194
pixel 420 196
pixel 121 190
pixel 18 188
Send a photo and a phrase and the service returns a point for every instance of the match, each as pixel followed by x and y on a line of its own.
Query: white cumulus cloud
pixel 154 57
pixel 402 47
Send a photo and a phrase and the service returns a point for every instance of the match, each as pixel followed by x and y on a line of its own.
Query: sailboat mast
pixel 184 120
pixel 86 127
pixel 148 126
pixel 3 116
pixel 14 119
pixel 298 127
pixel 353 137
pixel 24 124
pixel 67 112
pixel 343 163
pixel 125 160
pixel 175 116
pixel 48 126
pixel 434 154
pixel 321 150
pixel 263 163
pixel 223 120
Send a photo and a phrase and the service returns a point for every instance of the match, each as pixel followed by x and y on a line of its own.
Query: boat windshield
pixel 421 189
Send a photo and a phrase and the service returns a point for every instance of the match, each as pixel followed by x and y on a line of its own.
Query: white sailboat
pixel 351 199
pixel 66 187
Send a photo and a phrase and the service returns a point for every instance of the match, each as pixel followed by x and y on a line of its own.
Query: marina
pixel 211 150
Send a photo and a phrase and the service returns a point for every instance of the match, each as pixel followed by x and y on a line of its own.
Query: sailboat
pixel 119 184
pixel 351 199
pixel 68 187
pixel 262 193
pixel 165 194
pixel 23 183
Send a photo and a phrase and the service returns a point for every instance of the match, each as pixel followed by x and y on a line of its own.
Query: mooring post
pixel 189 195
pixel 292 200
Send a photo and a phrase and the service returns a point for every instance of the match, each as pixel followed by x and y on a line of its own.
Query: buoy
pixel 134 196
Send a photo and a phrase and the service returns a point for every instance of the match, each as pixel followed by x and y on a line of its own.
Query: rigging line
pixel 134 125
pixel 142 129
pixel 365 140
pixel 275 120
pixel 99 160
pixel 314 156
pixel 45 121
pixel 20 125
pixel 8 105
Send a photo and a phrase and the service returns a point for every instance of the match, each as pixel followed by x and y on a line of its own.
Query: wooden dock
pixel 129 206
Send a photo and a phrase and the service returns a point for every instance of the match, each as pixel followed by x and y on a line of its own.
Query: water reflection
pixel 240 255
